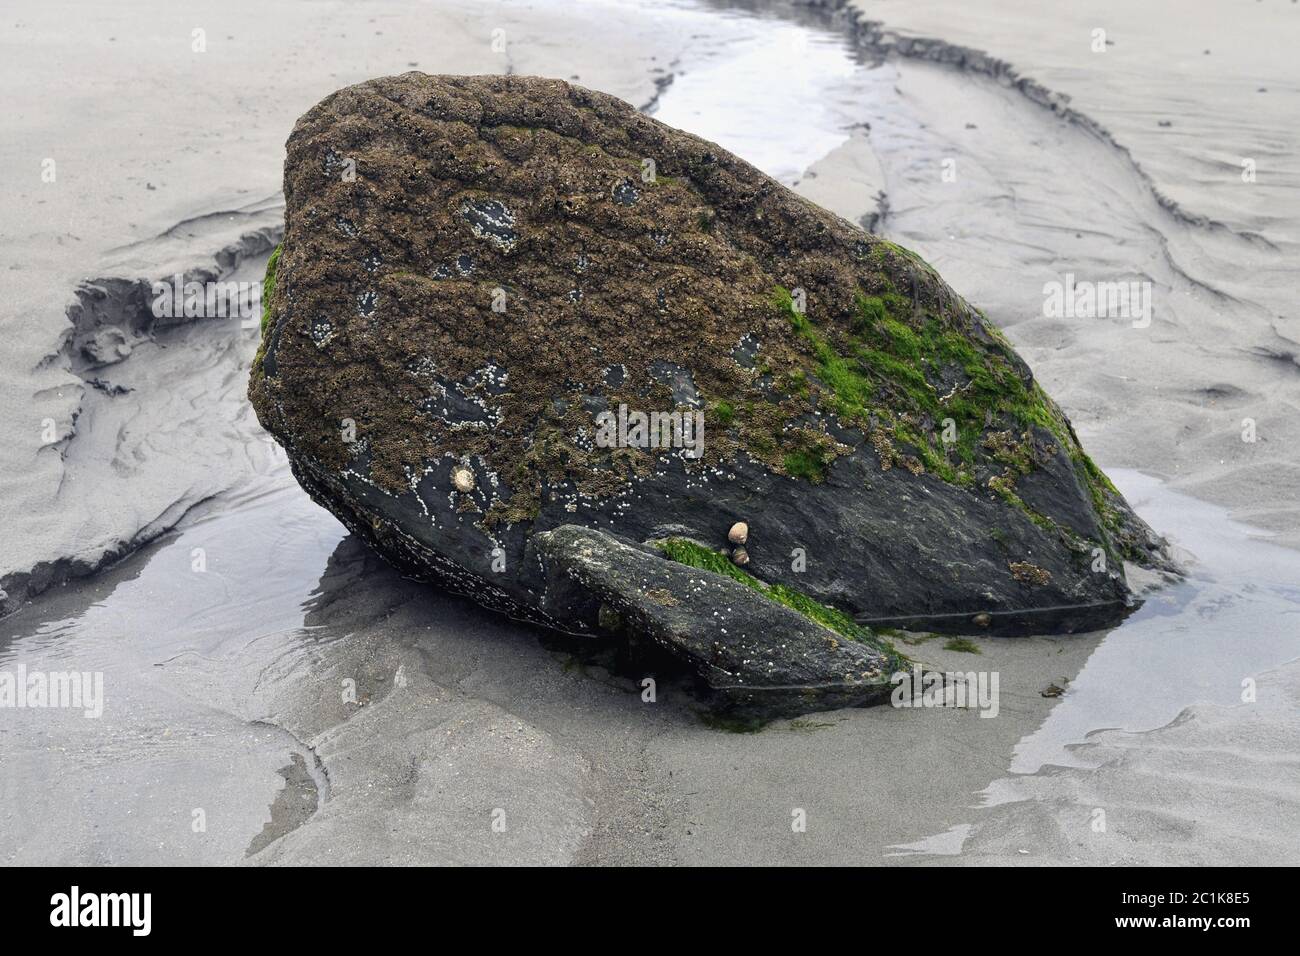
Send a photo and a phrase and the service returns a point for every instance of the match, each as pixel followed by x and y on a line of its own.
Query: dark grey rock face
pixel 515 258
pixel 753 656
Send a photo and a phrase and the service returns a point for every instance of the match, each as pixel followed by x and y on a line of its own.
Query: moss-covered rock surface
pixel 475 268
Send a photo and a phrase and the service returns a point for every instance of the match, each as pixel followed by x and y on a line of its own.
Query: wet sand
pixel 226 687
pixel 452 716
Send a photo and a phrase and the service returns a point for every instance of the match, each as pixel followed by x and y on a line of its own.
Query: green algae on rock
pixel 475 268
pixel 755 657
pixel 696 555
pixel 268 285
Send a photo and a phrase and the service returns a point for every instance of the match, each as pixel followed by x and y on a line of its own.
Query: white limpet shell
pixel 463 479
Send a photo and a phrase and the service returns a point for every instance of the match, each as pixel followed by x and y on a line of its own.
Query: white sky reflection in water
pixel 775 93
pixel 1236 615
pixel 768 101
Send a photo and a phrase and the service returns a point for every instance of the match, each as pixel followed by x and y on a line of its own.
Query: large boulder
pixel 485 279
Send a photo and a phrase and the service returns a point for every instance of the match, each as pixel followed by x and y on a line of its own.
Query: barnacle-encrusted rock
pixel 610 324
